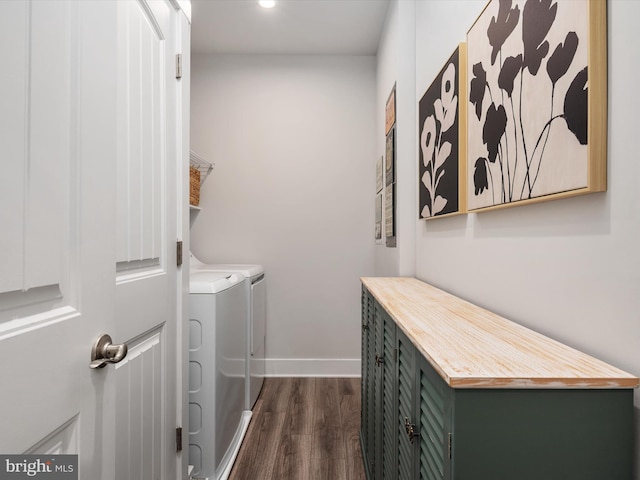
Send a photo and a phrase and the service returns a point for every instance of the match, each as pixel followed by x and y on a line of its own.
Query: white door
pixel 87 102
pixel 57 237
pixel 146 233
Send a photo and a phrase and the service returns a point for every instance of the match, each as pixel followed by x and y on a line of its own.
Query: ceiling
pixel 292 27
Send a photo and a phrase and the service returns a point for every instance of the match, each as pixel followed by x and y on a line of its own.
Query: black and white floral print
pixel 528 82
pixel 438 149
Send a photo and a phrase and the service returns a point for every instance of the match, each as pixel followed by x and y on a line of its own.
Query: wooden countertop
pixel 471 347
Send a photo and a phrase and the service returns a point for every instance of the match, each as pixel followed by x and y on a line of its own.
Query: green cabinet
pixel 378 389
pixel 423 417
pixel 404 418
pixel 388 432
pixel 367 420
pixel 399 388
pixel 434 404
pixel 416 426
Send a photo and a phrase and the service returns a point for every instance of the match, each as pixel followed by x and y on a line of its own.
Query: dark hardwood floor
pixel 303 429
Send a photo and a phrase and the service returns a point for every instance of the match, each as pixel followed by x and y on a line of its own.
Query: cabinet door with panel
pixel 364 356
pixel 379 399
pixel 424 417
pixel 367 410
pixel 389 397
pixel 378 382
pixel 405 416
pixel 434 414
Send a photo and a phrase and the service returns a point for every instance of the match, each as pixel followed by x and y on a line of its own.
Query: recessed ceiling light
pixel 267 3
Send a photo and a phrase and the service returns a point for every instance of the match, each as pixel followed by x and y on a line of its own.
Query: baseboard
pixel 312 367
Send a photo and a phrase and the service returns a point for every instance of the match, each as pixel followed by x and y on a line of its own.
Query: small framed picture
pixel 390 156
pixel 378 229
pixel 390 110
pixel 389 216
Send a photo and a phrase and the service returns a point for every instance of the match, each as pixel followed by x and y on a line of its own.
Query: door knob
pixel 103 352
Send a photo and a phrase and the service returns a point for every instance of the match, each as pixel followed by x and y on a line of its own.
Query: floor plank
pixel 303 429
pixel 260 463
pixel 300 409
pixel 294 457
pixel 350 414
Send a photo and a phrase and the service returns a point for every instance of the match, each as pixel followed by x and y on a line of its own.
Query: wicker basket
pixel 194 186
pixel 199 170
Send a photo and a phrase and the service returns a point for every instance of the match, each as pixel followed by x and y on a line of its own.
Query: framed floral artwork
pixel 537 122
pixel 442 135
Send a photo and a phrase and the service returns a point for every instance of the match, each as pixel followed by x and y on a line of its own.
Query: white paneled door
pixel 146 239
pixel 88 226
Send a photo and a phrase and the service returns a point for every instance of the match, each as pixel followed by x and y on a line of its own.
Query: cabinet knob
pixel 379 360
pixel 410 428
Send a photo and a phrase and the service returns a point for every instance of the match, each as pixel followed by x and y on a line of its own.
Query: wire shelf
pixel 201 165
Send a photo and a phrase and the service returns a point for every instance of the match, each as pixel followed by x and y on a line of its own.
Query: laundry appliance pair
pixel 226 361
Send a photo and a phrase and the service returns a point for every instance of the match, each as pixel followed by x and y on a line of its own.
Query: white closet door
pixel 146 232
pixel 57 242
pixel 88 138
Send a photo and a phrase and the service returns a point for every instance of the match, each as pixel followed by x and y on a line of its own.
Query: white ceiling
pixel 292 27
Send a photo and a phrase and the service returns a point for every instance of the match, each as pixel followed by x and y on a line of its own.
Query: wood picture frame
pixel 537 121
pixel 442 141
pixel 390 111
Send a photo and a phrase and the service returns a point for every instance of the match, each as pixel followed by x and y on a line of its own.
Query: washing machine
pixel 256 321
pixel 218 419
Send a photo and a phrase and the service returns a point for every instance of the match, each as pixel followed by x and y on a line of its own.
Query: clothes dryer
pixel 256 321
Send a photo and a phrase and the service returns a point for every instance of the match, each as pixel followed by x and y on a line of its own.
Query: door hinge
pixel 179 252
pixel 179 439
pixel 395 355
pixel 450 447
pixel 179 65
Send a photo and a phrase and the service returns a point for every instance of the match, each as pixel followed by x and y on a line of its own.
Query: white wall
pixel 396 64
pixel 567 268
pixel 292 139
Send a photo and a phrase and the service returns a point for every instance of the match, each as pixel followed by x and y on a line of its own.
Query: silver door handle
pixel 103 352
